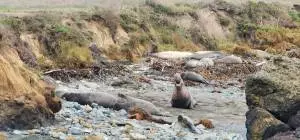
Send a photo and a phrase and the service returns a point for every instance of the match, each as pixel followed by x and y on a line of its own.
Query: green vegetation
pixel 65 37
pixel 295 15
pixel 62 29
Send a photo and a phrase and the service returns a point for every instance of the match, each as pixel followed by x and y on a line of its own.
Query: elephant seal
pixel 127 102
pixel 186 122
pixel 192 76
pixel 116 102
pixel 181 98
pixel 102 99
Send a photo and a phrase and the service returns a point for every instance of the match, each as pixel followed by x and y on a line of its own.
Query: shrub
pixel 166 47
pixel 74 56
pixel 61 29
pixel 159 8
pixel 14 23
pixel 224 21
pixel 295 15
pixel 262 10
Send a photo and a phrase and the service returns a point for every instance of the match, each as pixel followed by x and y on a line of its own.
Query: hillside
pixel 36 39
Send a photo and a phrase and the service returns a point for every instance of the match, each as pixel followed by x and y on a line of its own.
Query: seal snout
pixel 177 79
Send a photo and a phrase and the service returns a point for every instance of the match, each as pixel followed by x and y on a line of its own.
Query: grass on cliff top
pixel 67 45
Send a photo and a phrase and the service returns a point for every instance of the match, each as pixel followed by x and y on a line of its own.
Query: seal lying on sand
pixel 127 102
pixel 186 122
pixel 181 98
pixel 118 102
pixel 102 99
pixel 192 76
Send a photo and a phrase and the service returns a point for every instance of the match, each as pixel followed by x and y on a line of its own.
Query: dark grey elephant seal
pixel 102 99
pixel 181 98
pixel 192 76
pixel 118 102
pixel 186 122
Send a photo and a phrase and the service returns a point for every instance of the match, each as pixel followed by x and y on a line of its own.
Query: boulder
pixel 289 135
pixel 260 53
pixel 273 98
pixel 261 124
pixel 293 53
pixel 276 88
pixel 294 121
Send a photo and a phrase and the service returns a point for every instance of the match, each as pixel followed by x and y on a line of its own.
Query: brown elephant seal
pixel 181 98
pixel 141 114
pixel 127 102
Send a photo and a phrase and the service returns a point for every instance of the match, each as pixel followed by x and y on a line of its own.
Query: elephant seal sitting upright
pixel 181 98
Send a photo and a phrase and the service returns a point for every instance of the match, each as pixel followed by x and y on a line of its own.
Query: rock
pixel 87 108
pixel 261 124
pixel 290 135
pixel 205 62
pixel 231 59
pixel 94 138
pixel 94 105
pixel 294 121
pixel 58 135
pixel 18 132
pixel 70 138
pixel 297 132
pixel 173 55
pixel 260 54
pixel 123 112
pixel 276 88
pixel 25 117
pixel 77 106
pixel 75 131
pixel 20 100
pixel 34 131
pixel 137 136
pixel 293 53
pixel 36 137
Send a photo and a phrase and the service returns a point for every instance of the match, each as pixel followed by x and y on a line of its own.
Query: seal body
pixel 116 102
pixel 181 98
pixel 186 122
pixel 192 76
